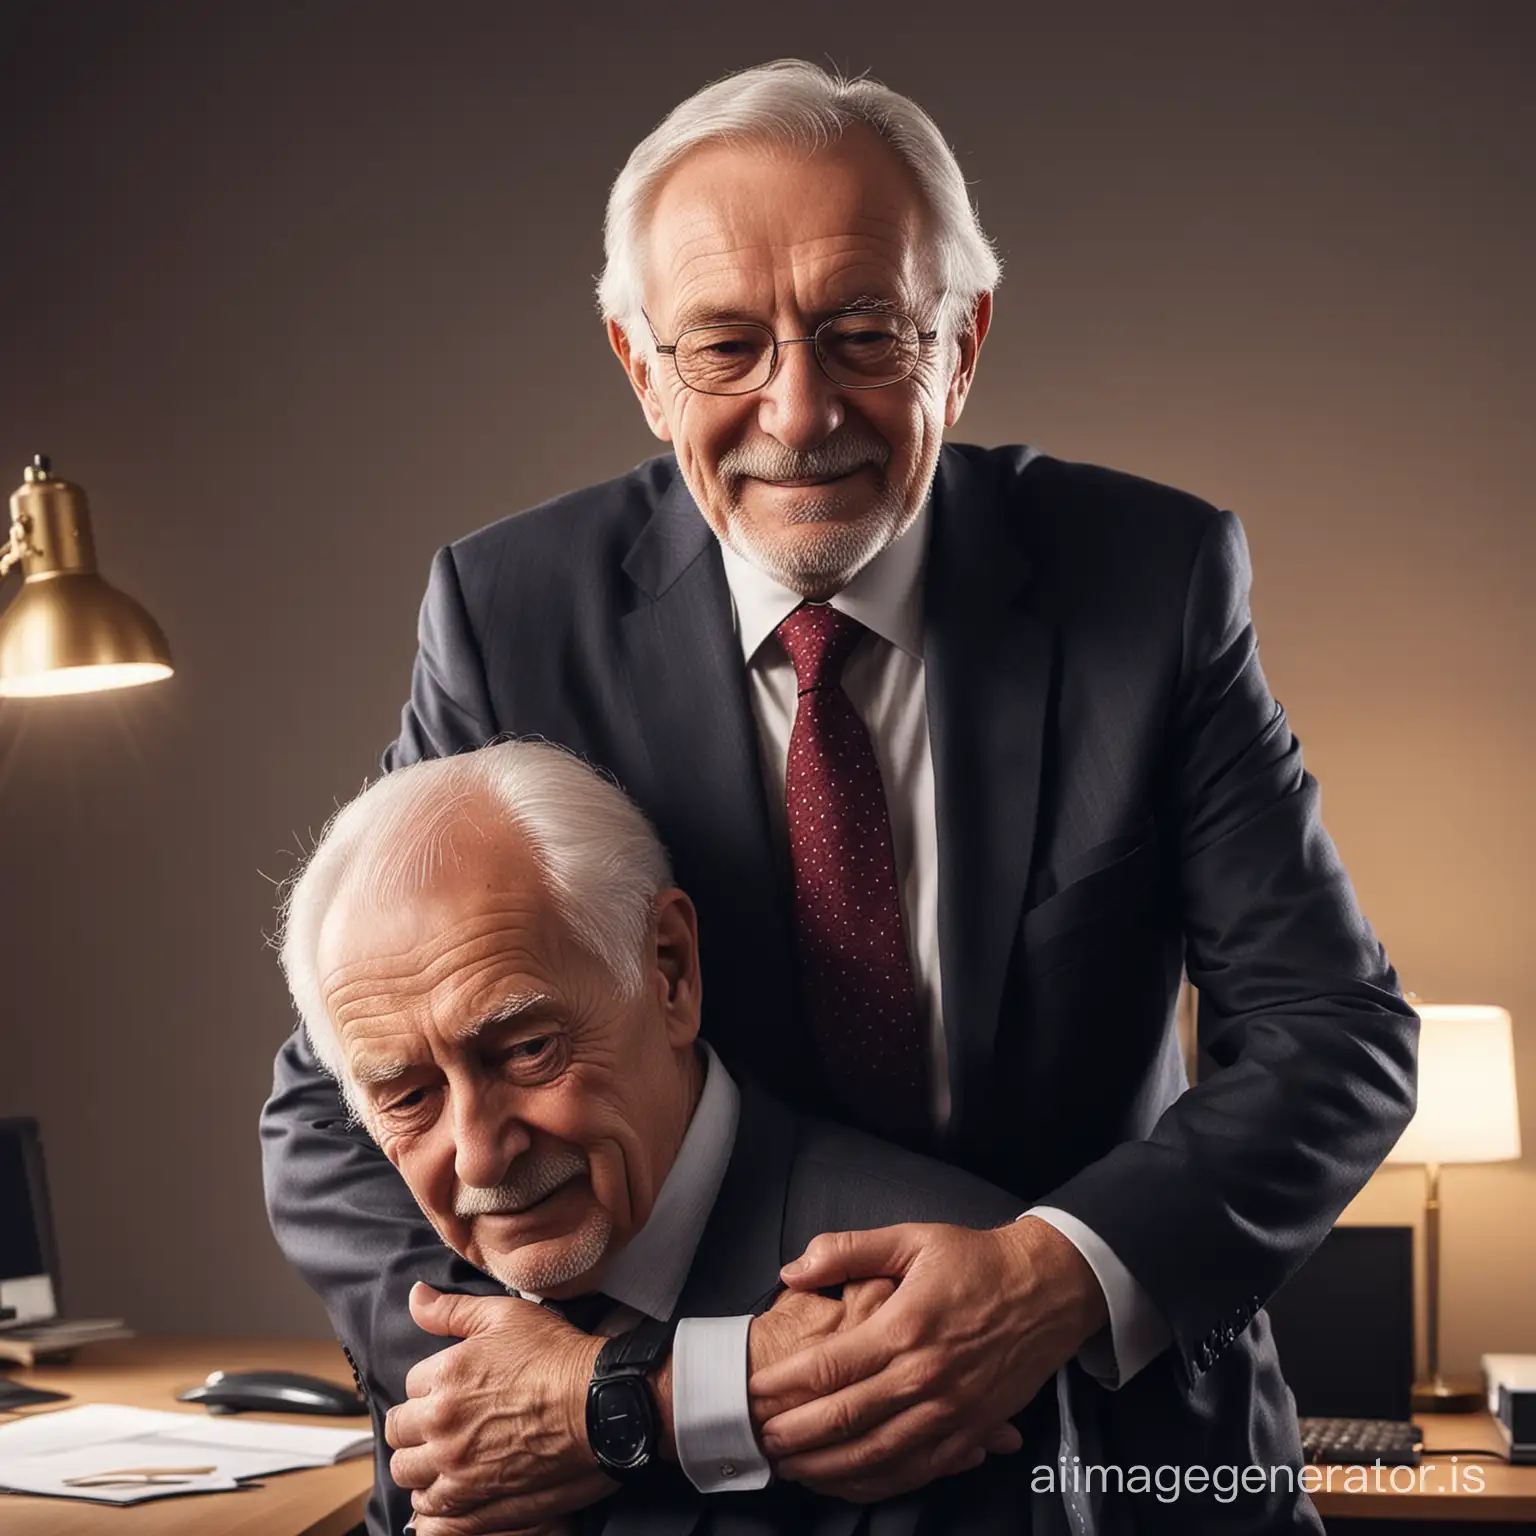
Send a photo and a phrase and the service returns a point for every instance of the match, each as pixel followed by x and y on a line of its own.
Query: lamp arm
pixel 20 546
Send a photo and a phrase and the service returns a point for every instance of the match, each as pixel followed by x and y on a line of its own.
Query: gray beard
pixel 832 558
pixel 534 1269
pixel 826 563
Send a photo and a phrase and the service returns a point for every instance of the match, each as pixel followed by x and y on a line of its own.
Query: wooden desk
pixel 329 1501
pixel 148 1373
pixel 1443 1489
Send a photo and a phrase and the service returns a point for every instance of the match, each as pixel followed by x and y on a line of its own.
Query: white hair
pixel 799 105
pixel 601 860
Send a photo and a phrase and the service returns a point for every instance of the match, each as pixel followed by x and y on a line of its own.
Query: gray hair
pixel 793 103
pixel 600 858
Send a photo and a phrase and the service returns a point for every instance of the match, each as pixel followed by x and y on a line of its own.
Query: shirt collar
pixel 650 1272
pixel 886 596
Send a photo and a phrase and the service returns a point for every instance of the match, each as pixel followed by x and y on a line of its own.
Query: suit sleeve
pixel 1313 1047
pixel 449 710
pixel 340 1212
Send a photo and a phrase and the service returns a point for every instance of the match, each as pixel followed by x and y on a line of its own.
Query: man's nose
pixel 799 405
pixel 487 1137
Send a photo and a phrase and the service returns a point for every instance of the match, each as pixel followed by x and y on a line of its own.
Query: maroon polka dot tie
pixel 854 968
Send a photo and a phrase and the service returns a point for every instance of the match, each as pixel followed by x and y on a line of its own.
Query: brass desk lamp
pixel 68 630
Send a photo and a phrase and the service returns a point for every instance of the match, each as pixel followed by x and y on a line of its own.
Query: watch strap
pixel 637 1352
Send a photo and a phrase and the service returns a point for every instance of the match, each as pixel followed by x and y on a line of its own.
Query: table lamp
pixel 1467 1113
pixel 68 630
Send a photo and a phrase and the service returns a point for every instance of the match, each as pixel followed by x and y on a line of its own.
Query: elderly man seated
pixel 488 953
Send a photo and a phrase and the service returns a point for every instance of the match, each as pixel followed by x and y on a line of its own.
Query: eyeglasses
pixel 862 349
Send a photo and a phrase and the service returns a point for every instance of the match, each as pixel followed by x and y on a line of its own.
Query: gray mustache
pixel 524 1187
pixel 773 461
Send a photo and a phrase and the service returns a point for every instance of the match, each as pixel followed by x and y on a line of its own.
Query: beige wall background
pixel 299 292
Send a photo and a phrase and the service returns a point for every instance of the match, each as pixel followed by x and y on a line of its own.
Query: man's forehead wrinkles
pixel 691 267
pixel 847 269
pixel 363 980
pixel 766 257
pixel 447 943
pixel 710 230
pixel 455 974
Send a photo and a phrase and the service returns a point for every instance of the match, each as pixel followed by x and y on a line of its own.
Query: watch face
pixel 619 1422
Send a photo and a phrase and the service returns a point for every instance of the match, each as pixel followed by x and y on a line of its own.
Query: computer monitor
pixel 29 1269
pixel 1344 1326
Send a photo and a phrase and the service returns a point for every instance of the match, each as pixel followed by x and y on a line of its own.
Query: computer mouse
pixel 272 1392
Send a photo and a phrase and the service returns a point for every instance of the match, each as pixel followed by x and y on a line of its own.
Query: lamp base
pixel 1447 1397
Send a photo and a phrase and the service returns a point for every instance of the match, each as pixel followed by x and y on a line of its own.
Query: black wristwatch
pixel 623 1423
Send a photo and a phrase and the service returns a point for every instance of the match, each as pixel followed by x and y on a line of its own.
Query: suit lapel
pixel 989 654
pixel 742 1249
pixel 688 684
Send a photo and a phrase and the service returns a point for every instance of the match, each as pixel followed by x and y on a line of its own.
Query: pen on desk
pixel 126 1477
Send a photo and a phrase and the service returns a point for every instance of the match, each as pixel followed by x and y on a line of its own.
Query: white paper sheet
pixel 38 1454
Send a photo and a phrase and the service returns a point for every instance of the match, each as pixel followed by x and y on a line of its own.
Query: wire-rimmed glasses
pixel 859 349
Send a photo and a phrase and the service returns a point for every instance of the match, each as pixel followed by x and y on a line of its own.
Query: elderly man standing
pixel 962 753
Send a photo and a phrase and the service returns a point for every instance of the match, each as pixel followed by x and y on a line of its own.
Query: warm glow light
pixel 128 674
pixel 68 631
pixel 1467 1112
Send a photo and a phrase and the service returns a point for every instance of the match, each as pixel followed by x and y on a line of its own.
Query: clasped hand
pixel 925 1385
pixel 941 1336
pixel 492 1436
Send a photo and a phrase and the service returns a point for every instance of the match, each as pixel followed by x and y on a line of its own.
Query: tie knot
pixel 818 640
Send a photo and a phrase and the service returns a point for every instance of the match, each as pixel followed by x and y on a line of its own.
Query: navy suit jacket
pixel 1118 796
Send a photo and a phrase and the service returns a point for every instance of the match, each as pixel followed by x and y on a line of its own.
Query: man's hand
pixel 492 1437
pixel 799 1318
pixel 977 1324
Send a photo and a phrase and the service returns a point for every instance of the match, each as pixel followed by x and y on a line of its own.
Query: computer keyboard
pixel 1361 1442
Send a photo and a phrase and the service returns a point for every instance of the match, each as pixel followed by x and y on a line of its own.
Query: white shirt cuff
pixel 1137 1333
pixel 711 1419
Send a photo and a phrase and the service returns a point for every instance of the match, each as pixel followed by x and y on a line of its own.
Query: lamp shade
pixel 75 633
pixel 1467 1111
pixel 68 630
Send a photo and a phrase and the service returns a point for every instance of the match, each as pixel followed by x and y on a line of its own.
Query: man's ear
pixel 642 379
pixel 969 341
pixel 677 965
